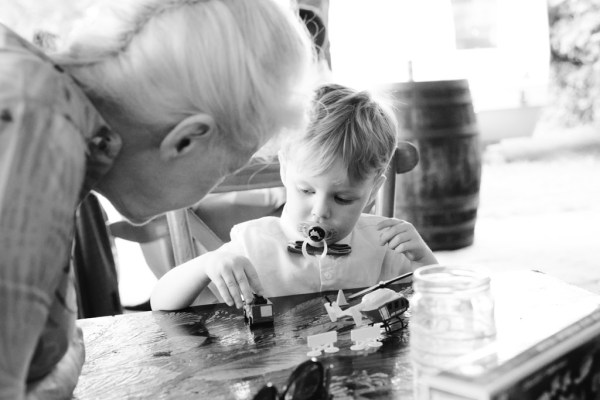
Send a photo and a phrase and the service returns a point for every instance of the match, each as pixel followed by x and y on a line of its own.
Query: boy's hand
pixel 402 237
pixel 234 276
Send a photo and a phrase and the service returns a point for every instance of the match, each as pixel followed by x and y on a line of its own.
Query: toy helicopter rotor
pixel 380 285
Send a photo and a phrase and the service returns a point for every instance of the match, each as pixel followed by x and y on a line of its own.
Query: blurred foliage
pixel 574 93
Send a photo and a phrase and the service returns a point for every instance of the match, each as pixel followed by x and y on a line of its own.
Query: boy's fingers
pixel 233 287
pixel 254 280
pixel 244 286
pixel 393 243
pixel 385 223
pixel 224 291
pixel 389 234
pixel 386 236
pixel 399 243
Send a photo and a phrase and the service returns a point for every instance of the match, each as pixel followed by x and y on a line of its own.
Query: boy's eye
pixel 305 191
pixel 342 200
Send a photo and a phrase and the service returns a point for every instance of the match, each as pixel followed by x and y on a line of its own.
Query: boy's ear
pixel 282 166
pixel 376 186
pixel 194 131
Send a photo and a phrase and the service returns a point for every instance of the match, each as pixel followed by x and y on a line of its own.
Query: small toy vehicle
pixel 388 313
pixel 379 304
pixel 258 311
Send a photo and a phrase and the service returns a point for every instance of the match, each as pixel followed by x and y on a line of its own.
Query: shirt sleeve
pixel 41 173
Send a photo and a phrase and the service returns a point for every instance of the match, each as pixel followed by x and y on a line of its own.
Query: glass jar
pixel 452 314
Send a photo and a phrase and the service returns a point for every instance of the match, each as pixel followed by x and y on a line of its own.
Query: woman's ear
pixel 193 131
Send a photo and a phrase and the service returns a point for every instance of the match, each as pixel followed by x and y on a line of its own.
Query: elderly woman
pixel 151 104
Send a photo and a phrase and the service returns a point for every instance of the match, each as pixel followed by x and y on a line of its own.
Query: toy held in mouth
pixel 315 242
pixel 315 236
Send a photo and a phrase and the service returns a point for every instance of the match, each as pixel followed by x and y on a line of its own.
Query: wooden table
pixel 208 352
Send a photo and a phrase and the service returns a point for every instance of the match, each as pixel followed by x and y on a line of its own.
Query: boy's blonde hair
pixel 246 63
pixel 347 125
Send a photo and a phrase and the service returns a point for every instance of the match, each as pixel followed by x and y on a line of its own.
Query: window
pixel 475 23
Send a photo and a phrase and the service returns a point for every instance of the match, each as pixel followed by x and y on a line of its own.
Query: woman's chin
pixel 139 220
pixel 135 217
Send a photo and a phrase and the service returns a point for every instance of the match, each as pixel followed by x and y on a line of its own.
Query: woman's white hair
pixel 246 63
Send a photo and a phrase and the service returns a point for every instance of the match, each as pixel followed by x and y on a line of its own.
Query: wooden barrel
pixel 441 195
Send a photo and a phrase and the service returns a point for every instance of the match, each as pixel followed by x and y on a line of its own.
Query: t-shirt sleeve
pixel 242 235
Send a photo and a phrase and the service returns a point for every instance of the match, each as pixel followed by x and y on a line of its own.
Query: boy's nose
pixel 321 210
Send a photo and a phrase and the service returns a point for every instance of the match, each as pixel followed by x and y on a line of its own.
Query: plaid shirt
pixel 46 124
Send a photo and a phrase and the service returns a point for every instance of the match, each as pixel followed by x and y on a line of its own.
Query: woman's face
pixel 142 185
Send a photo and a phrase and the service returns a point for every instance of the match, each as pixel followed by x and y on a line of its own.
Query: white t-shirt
pixel 264 241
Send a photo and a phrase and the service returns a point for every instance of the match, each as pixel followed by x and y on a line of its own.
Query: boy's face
pixel 329 199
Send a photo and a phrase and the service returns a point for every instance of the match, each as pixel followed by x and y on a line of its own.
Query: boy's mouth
pixel 315 233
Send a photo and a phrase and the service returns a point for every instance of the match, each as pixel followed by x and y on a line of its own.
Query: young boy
pixel 330 173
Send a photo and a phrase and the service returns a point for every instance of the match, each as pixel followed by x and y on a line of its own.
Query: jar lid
pixel 448 279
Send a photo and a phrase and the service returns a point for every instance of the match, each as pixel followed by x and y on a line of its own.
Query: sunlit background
pixel 501 47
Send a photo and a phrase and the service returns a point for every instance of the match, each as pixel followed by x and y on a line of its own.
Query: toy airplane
pixel 335 312
pixel 383 305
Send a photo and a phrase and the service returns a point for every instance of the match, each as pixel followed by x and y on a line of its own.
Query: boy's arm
pixel 402 237
pixel 427 260
pixel 180 286
pixel 232 274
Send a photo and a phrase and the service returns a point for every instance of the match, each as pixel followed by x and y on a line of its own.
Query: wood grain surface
pixel 208 352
